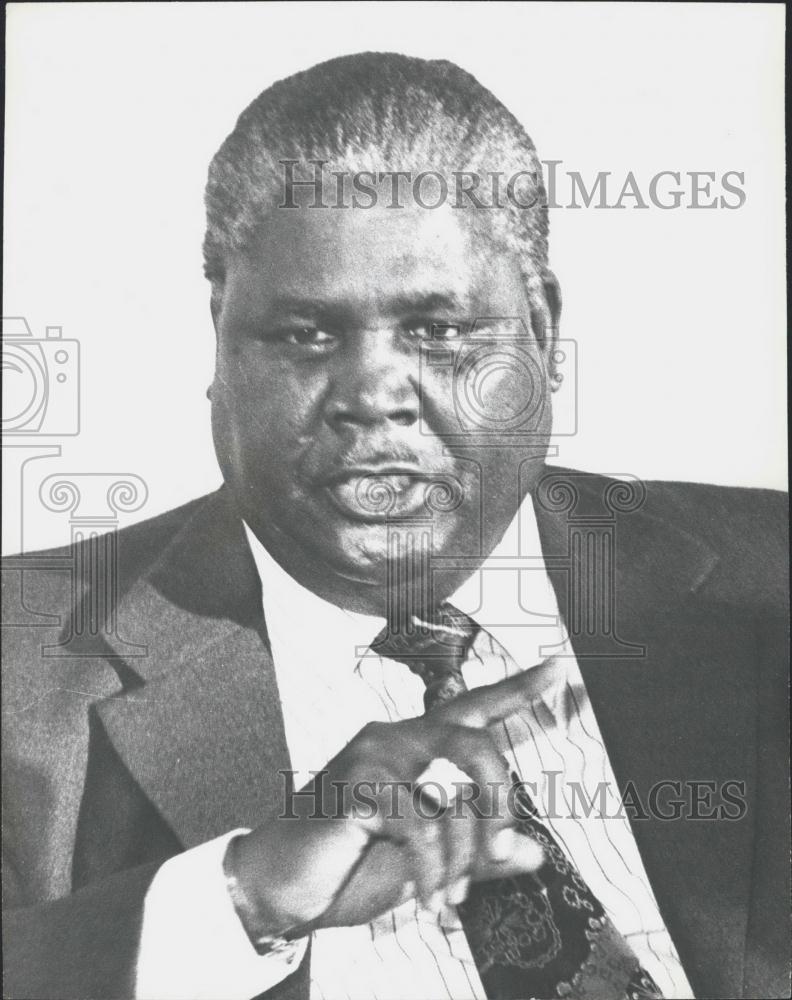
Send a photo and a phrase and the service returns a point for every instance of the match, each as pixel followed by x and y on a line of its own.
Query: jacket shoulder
pixel 725 514
pixel 747 528
pixel 743 530
pixel 41 590
pixel 139 545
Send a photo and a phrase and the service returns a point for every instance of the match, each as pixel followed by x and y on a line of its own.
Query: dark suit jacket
pixel 115 761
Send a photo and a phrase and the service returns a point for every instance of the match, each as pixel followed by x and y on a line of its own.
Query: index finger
pixel 495 702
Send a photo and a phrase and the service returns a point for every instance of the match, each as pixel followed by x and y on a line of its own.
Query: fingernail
pixel 503 845
pixel 408 891
pixel 528 853
pixel 457 892
pixel 436 902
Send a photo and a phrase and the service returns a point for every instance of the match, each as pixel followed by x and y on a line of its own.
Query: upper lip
pixel 387 469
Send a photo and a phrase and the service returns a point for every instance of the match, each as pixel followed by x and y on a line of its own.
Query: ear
pixel 215 305
pixel 552 294
pixel 550 324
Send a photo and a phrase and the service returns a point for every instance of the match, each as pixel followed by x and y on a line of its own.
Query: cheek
pixel 268 408
pixel 437 388
pixel 489 389
pixel 514 391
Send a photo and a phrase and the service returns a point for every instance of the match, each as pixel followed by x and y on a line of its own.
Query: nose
pixel 372 385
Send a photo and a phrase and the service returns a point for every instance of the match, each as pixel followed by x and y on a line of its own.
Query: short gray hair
pixel 363 112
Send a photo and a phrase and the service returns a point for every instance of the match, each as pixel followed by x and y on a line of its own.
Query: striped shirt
pixel 330 685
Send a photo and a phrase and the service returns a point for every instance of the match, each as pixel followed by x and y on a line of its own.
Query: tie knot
pixel 434 647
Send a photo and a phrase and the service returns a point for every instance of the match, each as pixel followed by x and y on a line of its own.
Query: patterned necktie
pixel 542 935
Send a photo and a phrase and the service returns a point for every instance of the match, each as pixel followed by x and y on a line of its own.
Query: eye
pixel 305 336
pixel 446 331
pixel 432 330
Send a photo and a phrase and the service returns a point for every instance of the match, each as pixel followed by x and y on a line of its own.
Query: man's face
pixel 366 361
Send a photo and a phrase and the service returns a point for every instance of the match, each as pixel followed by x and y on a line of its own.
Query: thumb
pixel 512 853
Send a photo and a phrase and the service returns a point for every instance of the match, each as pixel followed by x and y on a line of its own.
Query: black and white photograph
pixel 395 514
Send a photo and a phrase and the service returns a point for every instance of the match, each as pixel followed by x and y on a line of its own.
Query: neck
pixel 418 582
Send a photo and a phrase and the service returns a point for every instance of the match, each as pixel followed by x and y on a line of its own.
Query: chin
pixel 367 550
pixel 359 554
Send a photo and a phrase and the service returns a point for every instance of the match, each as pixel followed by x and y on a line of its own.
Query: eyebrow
pixel 427 302
pixel 414 302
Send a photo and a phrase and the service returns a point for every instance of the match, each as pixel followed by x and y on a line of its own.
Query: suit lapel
pixel 680 711
pixel 202 733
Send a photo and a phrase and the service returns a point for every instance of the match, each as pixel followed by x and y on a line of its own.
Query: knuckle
pixel 428 831
pixel 470 741
pixel 459 733
pixel 370 736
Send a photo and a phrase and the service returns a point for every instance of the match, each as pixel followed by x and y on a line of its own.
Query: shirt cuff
pixel 193 945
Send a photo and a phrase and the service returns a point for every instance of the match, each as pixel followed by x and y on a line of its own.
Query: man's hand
pixel 370 848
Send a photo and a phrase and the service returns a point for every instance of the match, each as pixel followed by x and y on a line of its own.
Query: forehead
pixel 373 255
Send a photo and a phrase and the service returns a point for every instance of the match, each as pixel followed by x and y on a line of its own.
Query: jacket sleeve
pixel 193 945
pixel 768 971
pixel 139 904
pixel 82 946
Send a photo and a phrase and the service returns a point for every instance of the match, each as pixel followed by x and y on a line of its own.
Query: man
pixel 346 610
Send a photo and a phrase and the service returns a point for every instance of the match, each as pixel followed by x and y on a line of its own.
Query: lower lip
pixel 378 498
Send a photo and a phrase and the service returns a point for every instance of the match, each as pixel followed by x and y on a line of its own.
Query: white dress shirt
pixel 330 686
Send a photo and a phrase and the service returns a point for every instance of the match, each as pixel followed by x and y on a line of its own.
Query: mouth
pixel 377 494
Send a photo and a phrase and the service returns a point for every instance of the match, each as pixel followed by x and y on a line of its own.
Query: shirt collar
pixel 518 608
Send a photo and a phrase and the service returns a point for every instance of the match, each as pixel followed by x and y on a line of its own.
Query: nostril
pixel 367 412
pixel 405 417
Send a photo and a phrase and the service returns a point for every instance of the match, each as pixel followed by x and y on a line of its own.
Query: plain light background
pixel 114 111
